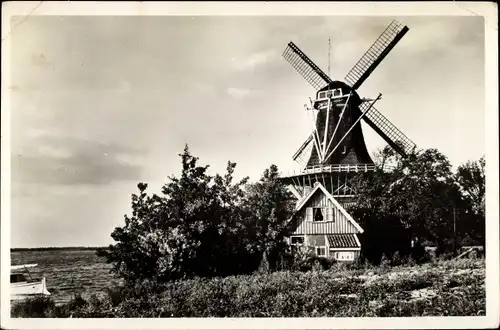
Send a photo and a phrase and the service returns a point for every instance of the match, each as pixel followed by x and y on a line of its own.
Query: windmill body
pixel 336 151
pixel 343 111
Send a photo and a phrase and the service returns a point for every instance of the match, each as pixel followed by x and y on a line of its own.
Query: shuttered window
pixel 309 214
pixel 319 214
pixel 329 214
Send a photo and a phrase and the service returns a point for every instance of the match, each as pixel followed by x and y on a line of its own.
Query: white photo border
pixel 486 9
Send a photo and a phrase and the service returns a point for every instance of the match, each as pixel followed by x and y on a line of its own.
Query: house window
pixel 321 251
pixel 329 94
pixel 344 255
pixel 296 240
pixel 319 214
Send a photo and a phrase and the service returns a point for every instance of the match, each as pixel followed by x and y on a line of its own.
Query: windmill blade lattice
pixel 390 133
pixel 302 155
pixel 375 54
pixel 310 71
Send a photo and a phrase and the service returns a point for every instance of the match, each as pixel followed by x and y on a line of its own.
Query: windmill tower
pixel 335 151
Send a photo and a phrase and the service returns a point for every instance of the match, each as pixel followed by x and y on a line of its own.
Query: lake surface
pixel 69 272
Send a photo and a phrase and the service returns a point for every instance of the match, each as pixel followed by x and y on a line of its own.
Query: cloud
pixel 240 93
pixel 254 60
pixel 205 88
pixel 52 152
pixel 71 161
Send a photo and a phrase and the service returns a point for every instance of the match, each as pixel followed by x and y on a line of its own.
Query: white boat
pixel 22 287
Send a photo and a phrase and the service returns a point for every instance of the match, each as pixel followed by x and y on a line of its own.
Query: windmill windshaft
pixel 390 133
pixel 375 54
pixel 310 71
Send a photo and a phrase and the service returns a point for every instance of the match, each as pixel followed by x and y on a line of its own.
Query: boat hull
pixel 23 290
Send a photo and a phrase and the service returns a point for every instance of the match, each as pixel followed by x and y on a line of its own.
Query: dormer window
pixel 334 93
pixel 319 214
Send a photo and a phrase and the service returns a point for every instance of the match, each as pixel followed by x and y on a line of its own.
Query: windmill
pixel 336 149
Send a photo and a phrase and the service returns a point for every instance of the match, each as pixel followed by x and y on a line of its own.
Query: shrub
pixel 385 263
pixel 32 307
pixel 458 288
pixel 313 262
pixel 396 259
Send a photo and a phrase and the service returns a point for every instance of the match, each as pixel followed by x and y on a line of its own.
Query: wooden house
pixel 321 223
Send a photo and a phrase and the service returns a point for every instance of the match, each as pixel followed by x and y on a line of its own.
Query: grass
pixel 433 289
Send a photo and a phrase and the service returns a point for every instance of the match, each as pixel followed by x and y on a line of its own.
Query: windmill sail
pixel 302 155
pixel 393 136
pixel 310 71
pixel 375 54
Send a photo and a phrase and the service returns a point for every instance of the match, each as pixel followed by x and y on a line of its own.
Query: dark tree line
pixel 419 198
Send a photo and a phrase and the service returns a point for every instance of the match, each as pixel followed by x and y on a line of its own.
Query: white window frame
pixel 323 213
pixel 327 212
pixel 297 244
pixel 316 248
pixel 331 93
pixel 351 253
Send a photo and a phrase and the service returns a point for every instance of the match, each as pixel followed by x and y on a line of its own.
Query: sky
pixel 101 103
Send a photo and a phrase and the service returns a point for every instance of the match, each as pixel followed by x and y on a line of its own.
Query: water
pixel 69 272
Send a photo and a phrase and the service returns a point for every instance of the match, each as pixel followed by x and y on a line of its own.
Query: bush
pixel 313 262
pixel 32 307
pixel 385 263
pixel 396 259
pixel 458 288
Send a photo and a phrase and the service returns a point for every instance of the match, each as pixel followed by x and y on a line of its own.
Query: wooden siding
pixel 341 225
pixel 316 240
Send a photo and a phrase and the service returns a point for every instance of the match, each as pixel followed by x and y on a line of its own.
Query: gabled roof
pixel 319 186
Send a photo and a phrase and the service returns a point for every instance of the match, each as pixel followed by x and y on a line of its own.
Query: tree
pixel 201 225
pixel 268 205
pixel 186 232
pixel 471 180
pixel 416 197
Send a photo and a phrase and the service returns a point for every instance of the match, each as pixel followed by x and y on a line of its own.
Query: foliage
pixel 201 225
pixel 438 288
pixel 471 180
pixel 305 259
pixel 415 199
pixel 267 207
pixel 32 307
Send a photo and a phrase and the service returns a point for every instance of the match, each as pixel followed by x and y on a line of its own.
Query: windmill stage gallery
pixel 336 151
